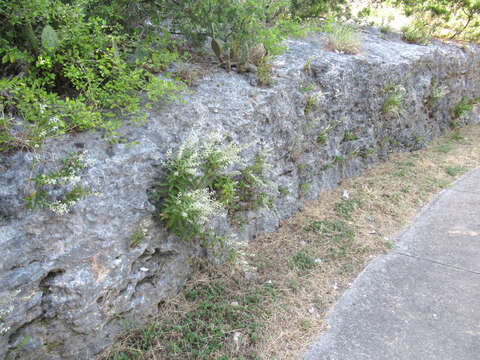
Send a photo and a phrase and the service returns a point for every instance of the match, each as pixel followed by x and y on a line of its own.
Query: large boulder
pixel 72 281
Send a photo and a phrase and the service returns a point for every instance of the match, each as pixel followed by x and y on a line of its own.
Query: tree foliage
pixel 453 19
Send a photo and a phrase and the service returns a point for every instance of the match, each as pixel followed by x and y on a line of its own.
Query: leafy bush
pixel 234 26
pixel 453 19
pixel 62 61
pixel 307 9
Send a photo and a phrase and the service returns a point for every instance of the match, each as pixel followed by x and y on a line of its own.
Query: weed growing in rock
pixel 201 184
pixel 462 109
pixel 137 237
pixel 283 190
pixel 312 103
pixel 438 92
pixel 385 29
pixel 68 176
pixel 349 136
pixel 304 188
pixel 264 72
pixel 393 104
pixel 343 38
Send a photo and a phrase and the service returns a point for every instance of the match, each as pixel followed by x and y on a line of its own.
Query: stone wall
pixel 71 279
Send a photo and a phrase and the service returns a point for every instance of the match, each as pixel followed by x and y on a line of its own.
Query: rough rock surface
pixel 71 279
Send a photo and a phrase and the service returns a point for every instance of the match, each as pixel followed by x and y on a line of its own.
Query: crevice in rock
pixel 46 285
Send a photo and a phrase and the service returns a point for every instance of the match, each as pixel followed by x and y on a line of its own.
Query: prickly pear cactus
pixel 244 55
pixel 49 38
pixel 217 48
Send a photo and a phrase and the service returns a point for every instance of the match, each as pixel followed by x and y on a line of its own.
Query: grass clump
pixel 416 33
pixel 343 38
pixel 345 208
pixel 303 261
pixel 455 170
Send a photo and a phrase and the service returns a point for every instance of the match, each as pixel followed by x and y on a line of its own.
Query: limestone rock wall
pixel 71 279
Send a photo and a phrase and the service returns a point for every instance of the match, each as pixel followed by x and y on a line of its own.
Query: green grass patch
pixel 303 261
pixel 216 311
pixel 455 170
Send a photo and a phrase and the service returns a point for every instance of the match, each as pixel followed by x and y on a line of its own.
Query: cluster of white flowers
pixel 86 159
pixel 61 207
pixel 73 179
pixel 187 154
pixel 202 204
pixel 53 122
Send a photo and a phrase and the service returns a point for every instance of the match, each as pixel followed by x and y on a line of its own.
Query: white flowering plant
pixel 203 181
pixel 68 174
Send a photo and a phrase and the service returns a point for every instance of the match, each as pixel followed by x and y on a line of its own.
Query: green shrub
pixel 307 9
pixel 65 68
pixel 234 26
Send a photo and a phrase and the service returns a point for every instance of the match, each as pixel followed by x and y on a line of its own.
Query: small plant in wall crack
pixel 205 180
pixel 393 104
pixel 68 176
pixel 438 92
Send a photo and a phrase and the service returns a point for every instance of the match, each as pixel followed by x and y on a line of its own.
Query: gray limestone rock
pixel 74 279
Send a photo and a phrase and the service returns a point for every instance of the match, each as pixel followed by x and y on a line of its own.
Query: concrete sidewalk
pixel 422 300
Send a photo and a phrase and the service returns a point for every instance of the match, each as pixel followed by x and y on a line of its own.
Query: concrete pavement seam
pixel 435 262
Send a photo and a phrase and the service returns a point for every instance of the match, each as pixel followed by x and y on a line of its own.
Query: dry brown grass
pixel 390 195
pixel 381 202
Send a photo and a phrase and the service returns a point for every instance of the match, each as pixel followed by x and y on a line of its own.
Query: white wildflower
pixel 73 179
pixel 60 207
pixel 50 181
pixel 203 205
